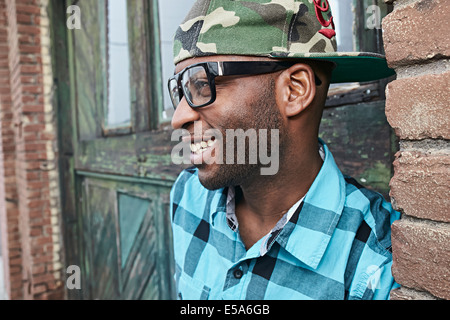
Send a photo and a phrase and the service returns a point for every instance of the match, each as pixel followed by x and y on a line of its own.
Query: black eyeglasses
pixel 197 82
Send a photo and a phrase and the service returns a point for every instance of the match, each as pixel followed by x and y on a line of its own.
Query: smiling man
pixel 305 231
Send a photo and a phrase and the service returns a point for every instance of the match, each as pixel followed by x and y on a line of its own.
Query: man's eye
pixel 199 84
pixel 202 88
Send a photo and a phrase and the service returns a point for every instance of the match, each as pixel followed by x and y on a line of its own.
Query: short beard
pixel 264 114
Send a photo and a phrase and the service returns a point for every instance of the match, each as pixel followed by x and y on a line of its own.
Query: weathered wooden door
pixel 114 149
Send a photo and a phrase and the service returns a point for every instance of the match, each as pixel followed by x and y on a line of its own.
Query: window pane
pixel 343 20
pixel 119 113
pixel 171 14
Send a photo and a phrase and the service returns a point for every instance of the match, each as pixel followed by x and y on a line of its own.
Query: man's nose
pixel 184 115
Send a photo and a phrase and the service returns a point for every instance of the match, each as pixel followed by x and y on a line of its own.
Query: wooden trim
pixel 156 182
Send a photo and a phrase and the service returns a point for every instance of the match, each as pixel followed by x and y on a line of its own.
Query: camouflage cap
pixel 275 29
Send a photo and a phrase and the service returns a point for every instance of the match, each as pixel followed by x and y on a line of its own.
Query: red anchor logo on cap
pixel 322 6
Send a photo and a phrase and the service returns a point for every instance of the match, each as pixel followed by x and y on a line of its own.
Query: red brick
pixel 34 128
pixel 33 89
pixel 4 90
pixel 48 136
pixel 30 69
pixel 24 48
pixel 34 194
pixel 39 241
pixel 28 98
pixel 34 165
pixel 421 255
pixel 36 185
pixel 53 285
pixel 28 2
pixel 36 156
pixel 34 232
pixel 27 58
pixel 16 284
pixel 15 269
pixel 26 39
pixel 24 29
pixel 37 203
pixel 41 221
pixel 421 185
pixel 30 137
pixel 28 9
pixel 43 259
pixel 418 107
pixel 24 18
pixel 417 32
pixel 28 79
pixel 37 250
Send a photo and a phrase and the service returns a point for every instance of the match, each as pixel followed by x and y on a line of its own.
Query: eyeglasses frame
pixel 229 68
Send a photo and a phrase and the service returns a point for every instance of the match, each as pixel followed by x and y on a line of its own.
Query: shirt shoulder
pixel 370 217
pixel 377 214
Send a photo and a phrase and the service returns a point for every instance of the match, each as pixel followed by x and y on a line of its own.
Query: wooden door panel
pixel 88 71
pixel 132 211
pixel 99 239
pixel 126 242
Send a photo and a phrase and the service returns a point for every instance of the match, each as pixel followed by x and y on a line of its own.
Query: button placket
pixel 236 286
pixel 238 273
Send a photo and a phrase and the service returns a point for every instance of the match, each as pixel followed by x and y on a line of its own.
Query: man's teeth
pixel 201 147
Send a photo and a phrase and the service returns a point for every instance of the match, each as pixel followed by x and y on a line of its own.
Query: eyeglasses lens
pixel 174 94
pixel 196 86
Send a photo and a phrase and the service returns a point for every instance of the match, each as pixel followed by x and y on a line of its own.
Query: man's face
pixel 242 102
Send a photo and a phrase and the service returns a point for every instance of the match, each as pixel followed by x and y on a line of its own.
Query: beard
pixel 262 113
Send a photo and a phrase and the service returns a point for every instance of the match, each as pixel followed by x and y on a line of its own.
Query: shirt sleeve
pixel 372 279
pixel 374 283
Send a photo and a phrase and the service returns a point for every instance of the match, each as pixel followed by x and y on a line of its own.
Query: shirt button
pixel 238 273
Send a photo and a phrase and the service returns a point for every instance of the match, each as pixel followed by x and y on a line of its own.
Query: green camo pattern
pixel 274 29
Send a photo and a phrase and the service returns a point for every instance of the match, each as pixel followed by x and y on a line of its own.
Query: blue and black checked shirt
pixel 334 244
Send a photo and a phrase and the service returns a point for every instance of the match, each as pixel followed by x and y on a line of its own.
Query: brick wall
pixel 9 213
pixel 31 209
pixel 418 47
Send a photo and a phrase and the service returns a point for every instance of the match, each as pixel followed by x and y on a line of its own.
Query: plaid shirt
pixel 333 244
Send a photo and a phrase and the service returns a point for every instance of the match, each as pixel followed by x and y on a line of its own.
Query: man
pixel 305 231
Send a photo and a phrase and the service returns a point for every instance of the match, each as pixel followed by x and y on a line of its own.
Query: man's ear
pixel 297 88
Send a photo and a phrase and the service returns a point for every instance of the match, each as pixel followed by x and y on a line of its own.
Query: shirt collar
pixel 309 231
pixel 231 209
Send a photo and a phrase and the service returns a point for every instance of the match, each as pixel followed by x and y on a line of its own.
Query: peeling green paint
pixel 377 176
pixel 360 139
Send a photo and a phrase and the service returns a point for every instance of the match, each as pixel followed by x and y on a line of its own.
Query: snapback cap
pixel 277 29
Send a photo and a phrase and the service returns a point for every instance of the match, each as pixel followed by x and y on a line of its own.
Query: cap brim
pixel 351 66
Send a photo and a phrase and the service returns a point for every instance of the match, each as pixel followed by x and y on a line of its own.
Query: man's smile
pixel 200 147
pixel 199 144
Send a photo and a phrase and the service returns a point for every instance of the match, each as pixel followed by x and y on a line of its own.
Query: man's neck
pixel 261 203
